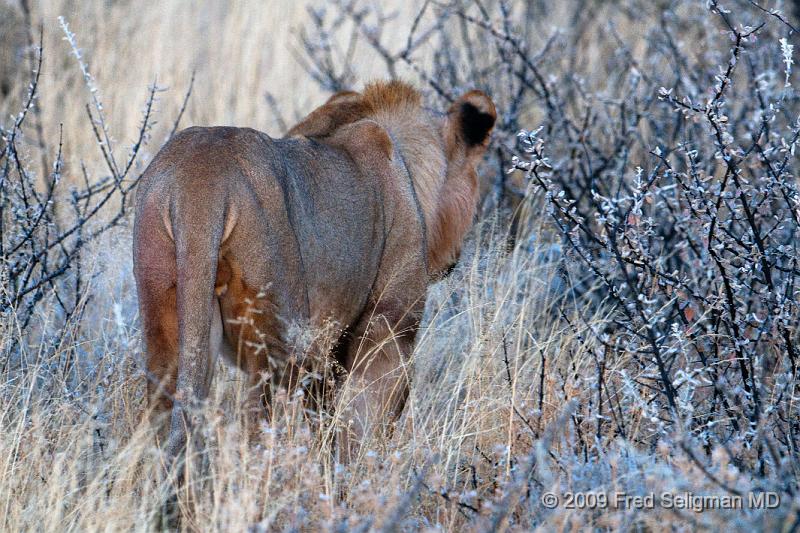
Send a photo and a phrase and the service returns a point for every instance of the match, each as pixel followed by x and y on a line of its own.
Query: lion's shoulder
pixel 365 140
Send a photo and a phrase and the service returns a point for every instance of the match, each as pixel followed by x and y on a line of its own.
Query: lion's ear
pixel 342 108
pixel 473 116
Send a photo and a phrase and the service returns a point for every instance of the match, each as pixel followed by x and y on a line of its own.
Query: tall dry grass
pixel 504 400
pixel 239 52
pixel 74 456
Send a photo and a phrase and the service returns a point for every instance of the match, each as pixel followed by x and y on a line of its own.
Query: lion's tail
pixel 198 232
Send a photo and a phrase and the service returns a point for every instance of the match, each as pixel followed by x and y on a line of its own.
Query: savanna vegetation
pixel 624 318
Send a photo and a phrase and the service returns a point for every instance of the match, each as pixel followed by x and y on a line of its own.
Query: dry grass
pixel 74 456
pixel 240 51
pixel 503 375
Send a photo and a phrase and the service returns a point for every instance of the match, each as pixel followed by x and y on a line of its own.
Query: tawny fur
pixel 346 220
pixel 448 204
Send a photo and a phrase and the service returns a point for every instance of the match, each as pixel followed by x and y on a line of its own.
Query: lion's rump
pixel 309 227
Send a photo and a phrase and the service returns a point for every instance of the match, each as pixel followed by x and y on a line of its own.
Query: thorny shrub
pixel 666 167
pixel 46 223
pixel 635 329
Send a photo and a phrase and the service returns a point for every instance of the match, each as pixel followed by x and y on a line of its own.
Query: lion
pixel 346 220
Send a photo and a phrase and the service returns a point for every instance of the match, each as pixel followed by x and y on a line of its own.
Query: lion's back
pixel 306 214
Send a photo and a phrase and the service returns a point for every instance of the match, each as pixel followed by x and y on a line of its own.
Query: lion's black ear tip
pixel 477 116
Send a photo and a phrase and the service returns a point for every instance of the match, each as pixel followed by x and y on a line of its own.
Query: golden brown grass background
pixel 238 50
pixel 72 453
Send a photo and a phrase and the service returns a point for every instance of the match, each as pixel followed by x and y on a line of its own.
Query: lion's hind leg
pixel 160 332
